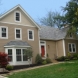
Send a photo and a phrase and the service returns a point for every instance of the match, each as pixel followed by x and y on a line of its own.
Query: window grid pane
pixel 17 16
pixel 10 54
pixel 18 55
pixel 24 55
pixel 30 35
pixel 3 32
pixel 17 33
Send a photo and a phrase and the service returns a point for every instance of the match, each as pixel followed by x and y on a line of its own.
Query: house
pixel 19 31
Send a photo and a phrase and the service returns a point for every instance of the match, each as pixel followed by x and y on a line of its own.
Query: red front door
pixel 42 51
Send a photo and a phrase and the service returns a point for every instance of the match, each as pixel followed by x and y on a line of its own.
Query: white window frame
pixel 15 16
pixel 21 55
pixel 6 50
pixel 70 35
pixel 32 34
pixel 71 47
pixel 20 33
pixel 6 32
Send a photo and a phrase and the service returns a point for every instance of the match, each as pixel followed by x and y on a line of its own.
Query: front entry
pixel 42 51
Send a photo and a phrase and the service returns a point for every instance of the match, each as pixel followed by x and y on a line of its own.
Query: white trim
pixel 17 24
pixel 39 42
pixel 6 32
pixel 18 6
pixel 43 44
pixel 15 16
pixel 16 46
pixel 20 33
pixel 14 62
pixel 32 34
pixel 64 48
pixel 72 48
pixel 56 49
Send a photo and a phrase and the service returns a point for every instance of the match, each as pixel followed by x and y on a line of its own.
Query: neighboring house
pixel 57 42
pixel 19 31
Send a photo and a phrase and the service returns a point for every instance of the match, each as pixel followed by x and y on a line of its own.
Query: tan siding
pixel 60 48
pixel 11 18
pixel 51 49
pixel 70 41
pixel 11 36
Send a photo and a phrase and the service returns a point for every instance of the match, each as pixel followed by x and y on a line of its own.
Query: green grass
pixel 64 70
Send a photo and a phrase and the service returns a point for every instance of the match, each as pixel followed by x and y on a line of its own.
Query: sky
pixel 35 8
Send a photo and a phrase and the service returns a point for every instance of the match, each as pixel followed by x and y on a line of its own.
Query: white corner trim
pixel 15 16
pixel 56 49
pixel 32 34
pixel 64 48
pixel 39 42
pixel 20 33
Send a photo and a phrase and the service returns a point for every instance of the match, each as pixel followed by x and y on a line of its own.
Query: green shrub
pixel 44 62
pixel 75 56
pixel 38 59
pixel 48 60
pixel 62 58
pixel 9 67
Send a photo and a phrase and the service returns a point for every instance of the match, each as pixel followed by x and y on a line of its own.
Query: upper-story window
pixel 30 34
pixel 18 33
pixel 70 35
pixel 4 32
pixel 17 16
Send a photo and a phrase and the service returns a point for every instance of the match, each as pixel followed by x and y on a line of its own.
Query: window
pixel 70 35
pixel 72 47
pixel 18 34
pixel 30 35
pixel 20 55
pixel 24 56
pixel 4 32
pixel 18 16
pixel 10 55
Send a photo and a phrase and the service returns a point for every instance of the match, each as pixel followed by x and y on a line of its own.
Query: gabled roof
pixel 51 33
pixel 19 6
pixel 17 43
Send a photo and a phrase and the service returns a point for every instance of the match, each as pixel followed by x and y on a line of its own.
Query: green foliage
pixel 71 14
pixel 48 60
pixel 28 53
pixel 38 59
pixel 9 67
pixel 44 62
pixel 62 58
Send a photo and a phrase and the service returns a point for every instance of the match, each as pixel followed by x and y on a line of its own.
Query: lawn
pixel 64 70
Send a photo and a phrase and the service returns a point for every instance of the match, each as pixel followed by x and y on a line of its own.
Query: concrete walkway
pixel 3 77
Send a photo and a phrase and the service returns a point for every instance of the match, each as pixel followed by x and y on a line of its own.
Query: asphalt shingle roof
pixel 17 43
pixel 51 33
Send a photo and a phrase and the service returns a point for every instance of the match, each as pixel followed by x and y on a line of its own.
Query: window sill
pixel 3 37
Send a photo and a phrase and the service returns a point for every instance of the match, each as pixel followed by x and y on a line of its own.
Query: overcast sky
pixel 35 8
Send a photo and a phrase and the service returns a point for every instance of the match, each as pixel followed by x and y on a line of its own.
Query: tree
pixel 3 59
pixel 28 52
pixel 52 19
pixel 71 14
